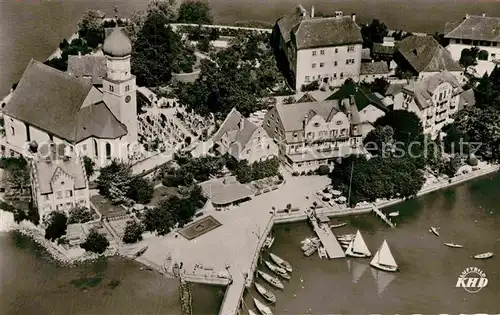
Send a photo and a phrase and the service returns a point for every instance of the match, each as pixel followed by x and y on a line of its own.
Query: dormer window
pixel 339 122
pixel 111 88
pixel 295 135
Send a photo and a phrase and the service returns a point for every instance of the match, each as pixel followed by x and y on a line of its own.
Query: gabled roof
pixel 88 66
pixel 424 89
pixel 292 115
pixel 290 22
pixel 475 27
pixel 51 100
pixel 238 136
pixel 424 54
pixel 379 67
pixel 325 32
pixel 394 89
pixel 306 98
pixel 48 99
pixel 379 48
pixel 362 96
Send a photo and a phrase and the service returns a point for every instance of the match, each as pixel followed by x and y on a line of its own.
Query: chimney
pixel 353 17
pixel 312 11
pixel 241 124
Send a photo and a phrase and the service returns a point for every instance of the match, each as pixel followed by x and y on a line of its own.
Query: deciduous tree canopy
pixel 195 11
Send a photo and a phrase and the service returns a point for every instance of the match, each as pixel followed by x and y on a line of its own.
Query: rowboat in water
pixel 483 256
pixel 310 243
pixel 269 242
pixel 281 262
pixel 384 260
pixel 277 270
pixel 434 230
pixel 322 252
pixel 311 250
pixel 338 225
pixel 453 245
pixel 267 294
pixel 346 237
pixel 394 214
pixel 271 280
pixel 263 309
pixel 357 247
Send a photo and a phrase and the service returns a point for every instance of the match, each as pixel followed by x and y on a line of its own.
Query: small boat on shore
pixel 267 294
pixel 483 256
pixel 281 262
pixel 277 270
pixel 358 248
pixel 394 214
pixel 453 245
pixel 434 230
pixel 384 260
pixel 272 280
pixel 269 242
pixel 335 226
pixel 263 309
pixel 322 252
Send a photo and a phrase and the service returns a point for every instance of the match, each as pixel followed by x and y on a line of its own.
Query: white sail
pixel 385 255
pixel 375 259
pixel 357 271
pixel 350 247
pixel 359 245
pixel 382 279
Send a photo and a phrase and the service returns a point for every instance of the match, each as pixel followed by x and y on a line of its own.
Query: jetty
pixel 327 238
pixel 381 215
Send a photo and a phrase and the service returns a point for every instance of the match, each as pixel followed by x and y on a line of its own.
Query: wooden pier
pixel 327 238
pixel 381 215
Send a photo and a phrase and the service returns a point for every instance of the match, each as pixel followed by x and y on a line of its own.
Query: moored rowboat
pixel 267 294
pixel 453 245
pixel 263 309
pixel 272 280
pixel 483 256
pixel 338 225
pixel 281 262
pixel 277 270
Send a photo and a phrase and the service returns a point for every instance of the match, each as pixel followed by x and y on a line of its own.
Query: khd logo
pixel 472 279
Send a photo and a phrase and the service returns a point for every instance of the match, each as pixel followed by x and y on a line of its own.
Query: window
pixel 342 75
pixel 349 61
pixel 268 124
pixel 69 205
pixel 59 195
pixel 82 201
pixel 69 193
pixel 350 49
pixel 494 44
pixel 96 151
pixel 108 150
pixel 336 50
pixel 335 63
pixel 272 116
pixel 295 135
pixel 111 88
pixel 127 88
pixel 45 197
pixel 314 52
pixel 314 65
pixel 276 129
pixel 12 131
pixel 335 76
pixel 321 64
pixel 308 78
pixel 322 52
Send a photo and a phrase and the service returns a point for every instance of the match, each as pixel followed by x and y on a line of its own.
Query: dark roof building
pixel 363 97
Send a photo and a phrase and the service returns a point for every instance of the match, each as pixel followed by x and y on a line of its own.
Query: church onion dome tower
pixel 117 44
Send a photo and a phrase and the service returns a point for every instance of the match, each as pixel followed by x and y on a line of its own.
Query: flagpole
pixel 350 183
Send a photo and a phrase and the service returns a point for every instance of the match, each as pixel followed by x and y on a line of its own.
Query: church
pixel 51 106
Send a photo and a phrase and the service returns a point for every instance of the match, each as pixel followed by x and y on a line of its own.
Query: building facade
pixel 482 32
pixel 58 180
pixel 315 133
pixel 325 50
pixel 434 99
pixel 244 140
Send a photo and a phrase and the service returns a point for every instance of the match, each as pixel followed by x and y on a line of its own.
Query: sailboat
pixel 263 309
pixel 382 279
pixel 267 294
pixel 384 260
pixel 272 280
pixel 357 271
pixel 277 270
pixel 281 262
pixel 357 247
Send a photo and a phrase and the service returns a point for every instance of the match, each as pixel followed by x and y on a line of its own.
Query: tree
pixel 373 33
pixel 195 12
pixel 141 190
pixel 158 51
pixel 91 29
pixel 468 57
pixel 379 85
pixel 323 170
pixel 95 242
pixel 482 55
pixel 380 140
pixel 204 44
pixel 133 232
pixel 114 181
pixel 451 167
pixel 89 165
pixel 167 8
pixel 17 175
pixel 56 225
pixel 79 214
pixel 406 125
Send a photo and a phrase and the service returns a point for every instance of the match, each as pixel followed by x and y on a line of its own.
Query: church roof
pixel 50 100
pixel 88 66
pixel 117 44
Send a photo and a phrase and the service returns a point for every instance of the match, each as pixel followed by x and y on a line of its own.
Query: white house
pixel 327 50
pixel 474 31
pixel 423 56
pixel 244 140
pixel 434 99
pixel 315 133
pixel 58 179
pixel 52 106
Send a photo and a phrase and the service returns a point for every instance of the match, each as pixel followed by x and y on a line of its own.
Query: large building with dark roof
pixel 474 31
pixel 326 50
pixel 53 106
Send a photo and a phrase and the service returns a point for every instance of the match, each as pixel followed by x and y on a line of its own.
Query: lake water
pixel 34 28
pixel 468 214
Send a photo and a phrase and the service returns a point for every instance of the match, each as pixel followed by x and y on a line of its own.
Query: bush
pixel 96 243
pixel 482 55
pixel 57 225
pixel 311 172
pixel 141 190
pixel 323 170
pixel 133 232
pixel 303 173
pixel 313 86
pixel 295 174
pixel 89 166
